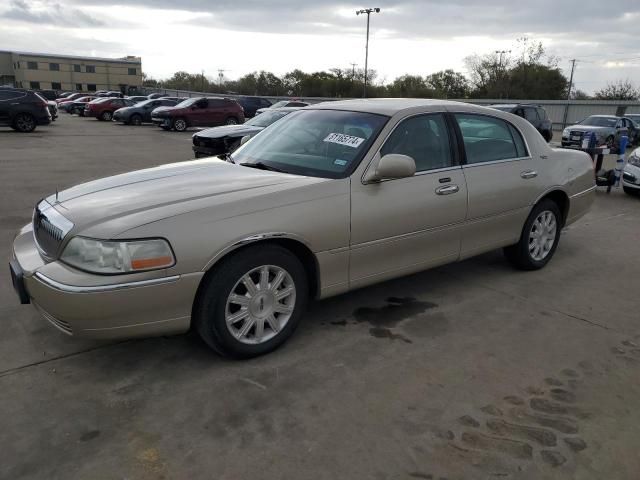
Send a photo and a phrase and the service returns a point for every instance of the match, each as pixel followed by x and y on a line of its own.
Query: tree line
pixel 529 73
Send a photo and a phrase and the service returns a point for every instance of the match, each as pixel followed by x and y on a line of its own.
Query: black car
pixel 48 94
pixel 23 110
pixel 225 139
pixel 534 114
pixel 252 104
pixel 141 111
pixel 282 104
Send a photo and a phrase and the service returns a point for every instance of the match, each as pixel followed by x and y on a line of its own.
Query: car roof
pixel 391 106
pixel 284 109
pixel 605 116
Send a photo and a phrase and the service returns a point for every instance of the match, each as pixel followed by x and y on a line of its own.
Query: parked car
pixel 72 106
pixel 225 139
pixel 103 109
pixel 64 95
pixel 53 109
pixel 70 97
pixel 77 106
pixel 137 98
pixel 534 114
pixel 608 130
pixel 111 94
pixel 282 104
pixel 329 199
pixel 140 112
pixel 48 94
pixel 23 110
pixel 252 104
pixel 156 95
pixel 631 173
pixel 199 112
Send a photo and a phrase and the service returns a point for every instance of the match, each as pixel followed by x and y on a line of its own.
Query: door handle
pixel 527 174
pixel 447 190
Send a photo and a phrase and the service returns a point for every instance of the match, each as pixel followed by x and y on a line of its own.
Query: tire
pixel 523 255
pixel 179 125
pixel 231 121
pixel 24 123
pixel 214 303
pixel 547 135
pixel 634 192
pixel 106 116
pixel 135 119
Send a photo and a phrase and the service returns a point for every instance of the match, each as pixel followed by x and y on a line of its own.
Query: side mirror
pixel 390 166
pixel 245 139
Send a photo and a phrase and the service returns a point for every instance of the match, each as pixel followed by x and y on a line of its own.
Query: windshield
pixel 266 119
pixel 317 143
pixel 188 102
pixel 600 121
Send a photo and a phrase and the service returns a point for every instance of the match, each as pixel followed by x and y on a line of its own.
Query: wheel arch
pixel 296 245
pixel 560 197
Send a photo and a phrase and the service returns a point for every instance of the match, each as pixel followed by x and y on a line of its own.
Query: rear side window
pixel 424 138
pixel 531 115
pixel 487 139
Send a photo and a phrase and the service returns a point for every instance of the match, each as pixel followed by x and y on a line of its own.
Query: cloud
pixel 50 14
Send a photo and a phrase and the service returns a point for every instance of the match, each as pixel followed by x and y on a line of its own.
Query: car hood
pixel 590 128
pixel 125 201
pixel 229 131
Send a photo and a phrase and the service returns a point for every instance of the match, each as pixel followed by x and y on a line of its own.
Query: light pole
pixel 368 11
pixel 500 76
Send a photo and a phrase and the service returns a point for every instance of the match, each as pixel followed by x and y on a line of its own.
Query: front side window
pixel 487 139
pixel 317 143
pixel 424 138
pixel 32 65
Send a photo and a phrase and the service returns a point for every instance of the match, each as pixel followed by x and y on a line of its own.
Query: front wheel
pixel 252 302
pixel 106 116
pixel 135 119
pixel 231 121
pixel 539 238
pixel 24 123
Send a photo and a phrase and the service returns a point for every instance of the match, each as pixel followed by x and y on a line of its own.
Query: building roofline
pixel 75 57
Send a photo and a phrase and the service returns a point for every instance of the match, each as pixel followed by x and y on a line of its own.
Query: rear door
pixel 217 111
pixel 502 179
pixel 409 224
pixel 9 100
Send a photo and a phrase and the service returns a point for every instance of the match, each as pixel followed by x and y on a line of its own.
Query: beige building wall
pixel 59 72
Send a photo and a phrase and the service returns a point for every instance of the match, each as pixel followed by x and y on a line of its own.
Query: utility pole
pixel 368 11
pixel 353 71
pixel 500 75
pixel 566 108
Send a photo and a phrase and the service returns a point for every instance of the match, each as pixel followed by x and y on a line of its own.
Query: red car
pixel 199 112
pixel 103 108
pixel 68 98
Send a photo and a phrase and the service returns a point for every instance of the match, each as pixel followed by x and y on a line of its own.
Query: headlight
pixel 109 257
pixel 633 160
pixel 565 132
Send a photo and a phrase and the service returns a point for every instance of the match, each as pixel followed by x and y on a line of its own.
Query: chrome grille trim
pixel 49 228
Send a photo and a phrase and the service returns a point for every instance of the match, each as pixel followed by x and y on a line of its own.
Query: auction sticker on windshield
pixel 342 139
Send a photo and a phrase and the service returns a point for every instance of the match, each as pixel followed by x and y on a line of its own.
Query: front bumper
pixel 631 176
pixel 161 122
pixel 96 306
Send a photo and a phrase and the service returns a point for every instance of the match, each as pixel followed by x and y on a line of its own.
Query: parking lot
pixel 468 371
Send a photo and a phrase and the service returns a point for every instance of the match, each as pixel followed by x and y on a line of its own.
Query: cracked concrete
pixel 338 401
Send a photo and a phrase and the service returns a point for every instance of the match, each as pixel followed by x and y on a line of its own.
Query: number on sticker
pixel 346 140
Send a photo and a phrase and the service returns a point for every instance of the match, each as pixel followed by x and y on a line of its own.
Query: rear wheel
pixel 539 238
pixel 252 302
pixel 231 121
pixel 135 119
pixel 24 122
pixel 179 125
pixel 106 116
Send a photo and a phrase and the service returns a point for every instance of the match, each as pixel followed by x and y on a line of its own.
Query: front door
pixel 406 225
pixel 503 181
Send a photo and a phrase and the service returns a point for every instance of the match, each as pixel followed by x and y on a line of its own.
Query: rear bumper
pixel 93 307
pixel 580 203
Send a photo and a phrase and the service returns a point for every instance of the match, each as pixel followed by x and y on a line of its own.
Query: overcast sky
pixel 408 36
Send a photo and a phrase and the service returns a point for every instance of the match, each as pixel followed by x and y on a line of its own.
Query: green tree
pixel 410 86
pixel 618 90
pixel 448 84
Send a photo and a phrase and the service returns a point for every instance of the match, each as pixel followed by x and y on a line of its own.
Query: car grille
pixel 49 228
pixel 575 133
pixel 56 322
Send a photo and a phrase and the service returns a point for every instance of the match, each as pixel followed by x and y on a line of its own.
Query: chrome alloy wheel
pixel 260 304
pixel 542 235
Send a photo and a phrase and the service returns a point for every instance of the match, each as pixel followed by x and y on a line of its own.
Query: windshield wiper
pixel 262 166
